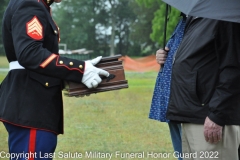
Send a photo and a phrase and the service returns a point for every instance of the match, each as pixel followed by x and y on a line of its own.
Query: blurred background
pixel 107 27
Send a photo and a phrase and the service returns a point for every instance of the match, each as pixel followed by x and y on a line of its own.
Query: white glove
pixel 91 74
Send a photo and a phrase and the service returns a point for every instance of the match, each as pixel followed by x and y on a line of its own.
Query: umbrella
pixel 165 26
pixel 226 10
pixel 165 32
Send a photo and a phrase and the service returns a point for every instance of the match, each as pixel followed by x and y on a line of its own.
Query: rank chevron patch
pixel 35 29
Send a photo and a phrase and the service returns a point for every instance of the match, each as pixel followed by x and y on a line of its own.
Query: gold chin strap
pixel 48 2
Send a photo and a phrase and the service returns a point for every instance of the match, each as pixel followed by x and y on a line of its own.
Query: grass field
pixel 3 62
pixel 114 122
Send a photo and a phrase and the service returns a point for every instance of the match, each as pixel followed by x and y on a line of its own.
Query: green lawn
pixel 114 122
pixel 3 62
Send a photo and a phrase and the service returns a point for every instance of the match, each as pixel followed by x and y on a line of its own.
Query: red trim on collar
pixel 45 4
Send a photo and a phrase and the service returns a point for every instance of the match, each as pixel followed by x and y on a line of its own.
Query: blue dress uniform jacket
pixel 32 97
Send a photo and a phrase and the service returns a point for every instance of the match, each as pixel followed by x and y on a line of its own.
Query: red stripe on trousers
pixel 32 143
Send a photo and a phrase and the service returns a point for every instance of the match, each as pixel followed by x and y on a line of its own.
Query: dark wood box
pixel 111 64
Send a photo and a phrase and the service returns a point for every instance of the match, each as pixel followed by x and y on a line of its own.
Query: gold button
pixel 61 62
pixel 80 66
pixel 55 31
pixel 71 63
pixel 46 84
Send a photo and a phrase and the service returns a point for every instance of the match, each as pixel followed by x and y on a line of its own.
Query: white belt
pixel 15 65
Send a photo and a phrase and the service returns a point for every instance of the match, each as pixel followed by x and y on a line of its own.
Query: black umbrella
pixel 226 10
pixel 165 26
pixel 165 32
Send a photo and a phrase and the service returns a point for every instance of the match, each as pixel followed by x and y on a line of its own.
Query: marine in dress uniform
pixel 31 94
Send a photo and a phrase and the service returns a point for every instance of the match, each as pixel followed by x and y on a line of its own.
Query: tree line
pixel 109 27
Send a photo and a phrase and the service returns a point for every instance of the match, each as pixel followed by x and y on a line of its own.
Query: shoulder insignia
pixel 35 29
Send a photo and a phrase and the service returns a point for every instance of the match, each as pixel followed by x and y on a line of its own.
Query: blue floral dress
pixel 161 92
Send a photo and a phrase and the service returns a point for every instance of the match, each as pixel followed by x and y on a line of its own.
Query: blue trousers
pixel 176 134
pixel 30 144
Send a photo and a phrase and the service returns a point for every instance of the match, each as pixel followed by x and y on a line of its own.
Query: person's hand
pixel 91 76
pixel 161 55
pixel 212 131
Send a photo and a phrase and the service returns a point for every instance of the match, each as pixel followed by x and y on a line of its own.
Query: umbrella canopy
pixel 226 10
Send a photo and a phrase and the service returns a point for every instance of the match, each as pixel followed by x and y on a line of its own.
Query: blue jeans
pixel 176 134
